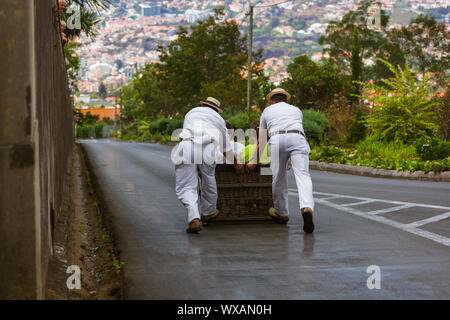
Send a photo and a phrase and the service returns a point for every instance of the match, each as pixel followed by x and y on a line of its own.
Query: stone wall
pixel 36 125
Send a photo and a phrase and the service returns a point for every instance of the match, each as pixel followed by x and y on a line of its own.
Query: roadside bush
pixel 403 109
pixel 159 125
pixel 96 130
pixel 165 125
pixel 239 120
pixel 315 125
pixel 432 149
pixel 376 154
pixel 173 125
pixel 371 148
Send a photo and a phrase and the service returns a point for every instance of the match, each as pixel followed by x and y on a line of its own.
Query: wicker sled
pixel 242 197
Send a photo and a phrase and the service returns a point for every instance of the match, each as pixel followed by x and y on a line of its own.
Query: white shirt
pixel 281 116
pixel 203 125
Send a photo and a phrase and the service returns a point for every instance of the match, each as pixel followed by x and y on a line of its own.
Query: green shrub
pixel 239 120
pixel 376 154
pixel 157 137
pixel 315 124
pixel 165 125
pixel 173 125
pixel 432 149
pixel 403 109
pixel 159 125
pixel 357 130
pixel 97 130
pixel 371 148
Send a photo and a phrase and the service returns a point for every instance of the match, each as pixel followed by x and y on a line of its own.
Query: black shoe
pixel 308 221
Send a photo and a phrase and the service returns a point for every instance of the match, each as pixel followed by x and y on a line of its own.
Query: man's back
pixel 203 124
pixel 281 116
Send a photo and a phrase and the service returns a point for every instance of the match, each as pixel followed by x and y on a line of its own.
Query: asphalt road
pixel 401 226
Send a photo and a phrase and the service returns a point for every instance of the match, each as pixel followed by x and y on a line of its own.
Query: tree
pixel 119 64
pixel 208 60
pixel 356 61
pixel 72 60
pixel 425 42
pixel 358 129
pixel 89 18
pixel 315 85
pixel 403 109
pixel 339 37
pixel 102 91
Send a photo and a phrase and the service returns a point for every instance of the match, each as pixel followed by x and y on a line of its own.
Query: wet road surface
pixel 401 226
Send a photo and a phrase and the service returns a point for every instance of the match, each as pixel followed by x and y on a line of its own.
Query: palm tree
pixel 89 10
pixel 93 4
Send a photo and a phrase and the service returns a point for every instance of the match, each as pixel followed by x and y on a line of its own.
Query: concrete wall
pixel 36 126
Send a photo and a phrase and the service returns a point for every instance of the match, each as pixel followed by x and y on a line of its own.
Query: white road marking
pixel 405 206
pixel 357 203
pixel 430 220
pixel 328 198
pixel 375 199
pixel 411 227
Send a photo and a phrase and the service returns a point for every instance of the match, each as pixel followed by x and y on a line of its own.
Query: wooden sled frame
pixel 242 197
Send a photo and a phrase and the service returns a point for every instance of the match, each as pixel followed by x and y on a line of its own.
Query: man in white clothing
pixel 204 133
pixel 283 124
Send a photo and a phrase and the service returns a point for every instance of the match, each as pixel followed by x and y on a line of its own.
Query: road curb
pixel 379 173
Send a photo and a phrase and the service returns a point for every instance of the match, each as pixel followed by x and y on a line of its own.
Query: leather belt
pixel 286 131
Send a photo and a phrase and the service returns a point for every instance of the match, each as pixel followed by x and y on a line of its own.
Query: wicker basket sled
pixel 242 197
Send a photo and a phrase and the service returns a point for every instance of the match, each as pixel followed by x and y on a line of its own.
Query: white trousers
pixel 295 147
pixel 186 188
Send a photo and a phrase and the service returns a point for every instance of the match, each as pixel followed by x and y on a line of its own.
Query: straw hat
pixel 213 103
pixel 278 91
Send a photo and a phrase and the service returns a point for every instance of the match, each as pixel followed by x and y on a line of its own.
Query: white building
pixel 99 69
pixel 148 10
pixel 195 15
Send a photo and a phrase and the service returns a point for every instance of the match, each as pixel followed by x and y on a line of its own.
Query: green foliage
pixel 89 19
pixel 314 85
pixel 340 35
pixel 356 60
pixel 72 60
pixel 97 130
pixel 239 120
pixel 329 153
pixel 84 119
pixel 159 125
pixel 358 129
pixel 377 154
pixel 94 4
pixel 102 90
pixel 402 109
pixel 416 39
pixel 315 125
pixel 371 148
pixel 432 149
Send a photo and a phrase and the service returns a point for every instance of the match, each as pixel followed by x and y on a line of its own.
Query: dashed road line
pixel 374 215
